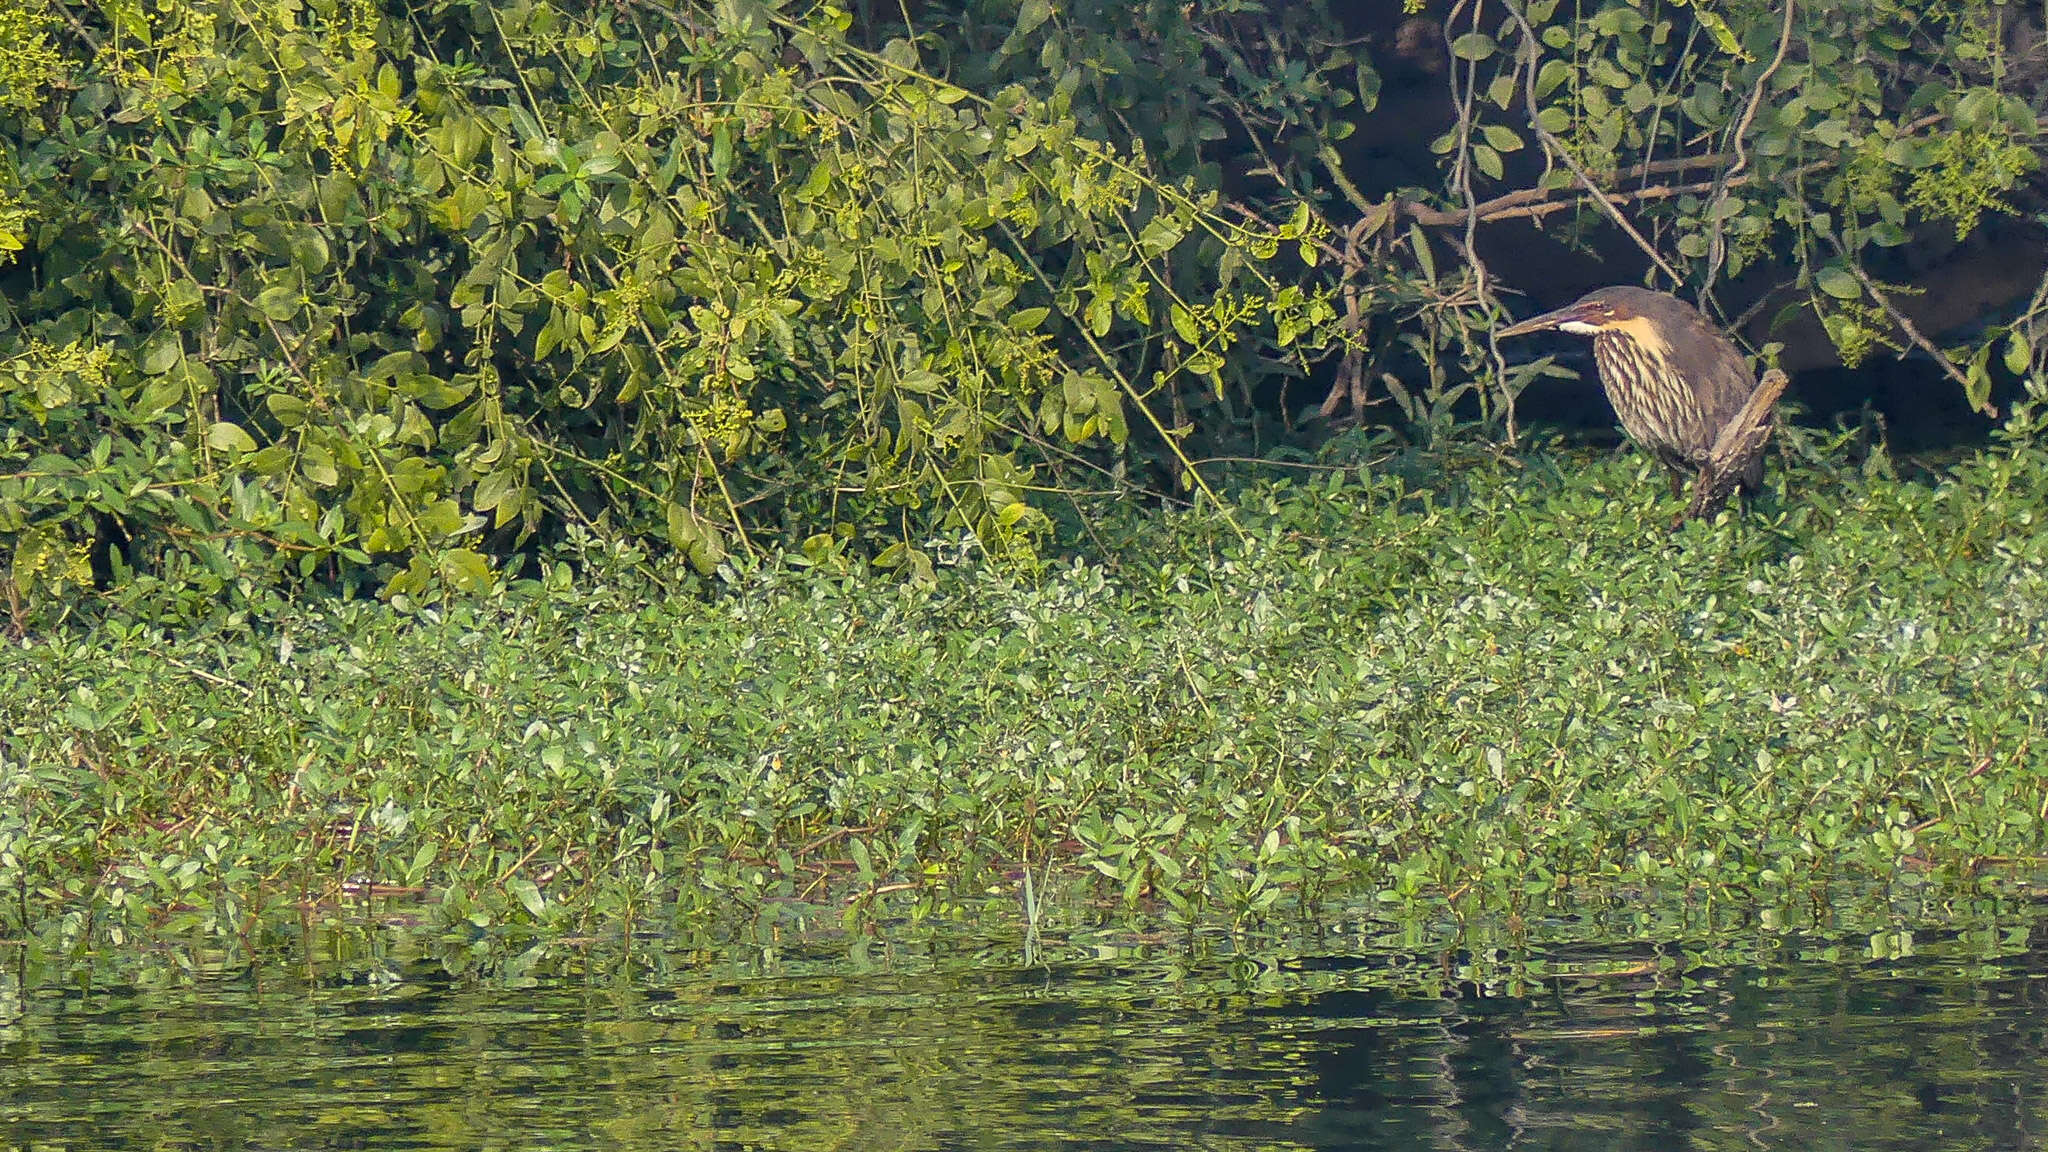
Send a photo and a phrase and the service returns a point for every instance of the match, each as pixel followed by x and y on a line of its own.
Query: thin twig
pixel 1537 202
pixel 1756 95
pixel 1490 210
pixel 1482 277
pixel 1912 332
pixel 1526 203
pixel 1556 147
pixel 1535 207
pixel 210 678
pixel 1716 244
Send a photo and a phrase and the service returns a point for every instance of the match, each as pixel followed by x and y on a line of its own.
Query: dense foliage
pixel 1520 702
pixel 377 293
pixel 316 286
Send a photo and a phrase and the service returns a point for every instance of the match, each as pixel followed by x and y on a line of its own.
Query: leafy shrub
pixel 385 295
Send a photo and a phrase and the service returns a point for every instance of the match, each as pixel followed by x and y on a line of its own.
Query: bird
pixel 1676 382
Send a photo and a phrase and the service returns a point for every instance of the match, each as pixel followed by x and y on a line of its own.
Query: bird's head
pixel 1592 313
pixel 1636 312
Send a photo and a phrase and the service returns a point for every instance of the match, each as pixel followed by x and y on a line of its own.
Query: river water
pixel 1895 1045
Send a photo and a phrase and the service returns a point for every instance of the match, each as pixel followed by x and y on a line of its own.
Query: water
pixel 869 1048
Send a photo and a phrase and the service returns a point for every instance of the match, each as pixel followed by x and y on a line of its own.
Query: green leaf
pixel 2019 355
pixel 1724 36
pixel 1502 90
pixel 920 381
pixel 182 299
pixel 1159 236
pixel 279 302
pixel 422 859
pixel 438 518
pixel 701 541
pixel 683 526
pixel 317 465
pixel 223 436
pixel 1487 161
pixel 468 571
pixel 1077 393
pixel 391 365
pixel 1028 319
pixel 528 894
pixel 1100 313
pixel 721 150
pixel 1423 256
pixel 1184 323
pixel 494 489
pixel 1030 15
pixel 1500 137
pixel 1607 72
pixel 1473 46
pixel 1829 133
pixel 1297 222
pixel 1977 383
pixel 161 354
pixel 1839 282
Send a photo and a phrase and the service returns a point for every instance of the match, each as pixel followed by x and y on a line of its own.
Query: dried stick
pixel 1736 449
pixel 1350 381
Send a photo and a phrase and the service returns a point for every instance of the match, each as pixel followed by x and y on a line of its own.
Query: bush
pixel 390 295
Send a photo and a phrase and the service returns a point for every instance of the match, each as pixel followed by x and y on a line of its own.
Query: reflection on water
pixel 1621 1049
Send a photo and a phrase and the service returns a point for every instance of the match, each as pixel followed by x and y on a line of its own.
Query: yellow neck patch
pixel 1644 334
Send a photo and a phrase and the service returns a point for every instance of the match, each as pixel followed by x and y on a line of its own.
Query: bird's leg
pixel 1677 476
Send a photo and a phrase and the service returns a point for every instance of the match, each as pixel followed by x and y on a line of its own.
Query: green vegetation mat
pixel 1489 701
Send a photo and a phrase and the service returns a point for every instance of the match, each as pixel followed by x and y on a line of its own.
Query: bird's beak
pixel 1564 315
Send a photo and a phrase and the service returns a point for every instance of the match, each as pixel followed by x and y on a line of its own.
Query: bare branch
pixel 1534 203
